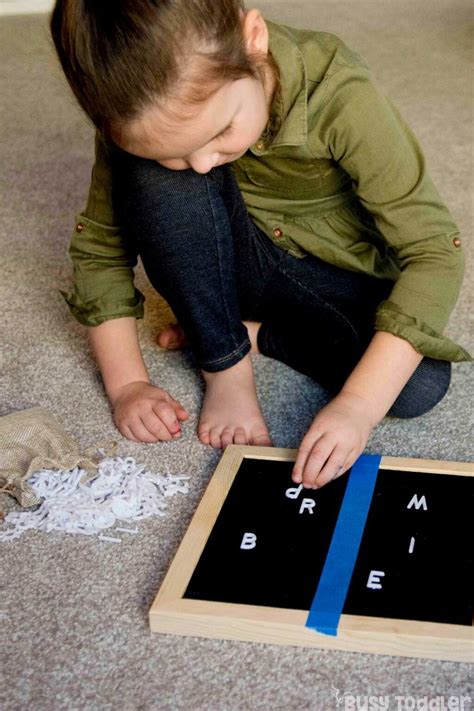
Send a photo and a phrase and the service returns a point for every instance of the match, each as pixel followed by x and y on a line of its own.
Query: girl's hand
pixel 145 413
pixel 336 438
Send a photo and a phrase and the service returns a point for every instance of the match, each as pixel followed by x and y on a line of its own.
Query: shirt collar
pixel 288 112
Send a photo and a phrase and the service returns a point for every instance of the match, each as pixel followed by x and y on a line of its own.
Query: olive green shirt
pixel 337 173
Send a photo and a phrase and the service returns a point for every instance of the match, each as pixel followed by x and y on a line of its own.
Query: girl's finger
pixel 306 446
pixel 138 432
pixel 334 466
pixel 317 459
pixel 149 430
pixel 181 411
pixel 127 432
pixel 350 459
pixel 167 415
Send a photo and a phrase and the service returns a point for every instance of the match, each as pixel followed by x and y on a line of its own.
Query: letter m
pixel 418 503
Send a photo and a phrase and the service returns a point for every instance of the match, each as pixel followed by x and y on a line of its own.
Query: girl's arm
pixel 117 351
pixel 104 299
pixel 340 430
pixel 142 412
pixel 382 373
pixel 360 128
pixel 103 258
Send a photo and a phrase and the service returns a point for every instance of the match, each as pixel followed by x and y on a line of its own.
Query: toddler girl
pixel 278 202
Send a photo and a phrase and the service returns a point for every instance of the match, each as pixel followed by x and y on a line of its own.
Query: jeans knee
pixel 425 389
pixel 140 181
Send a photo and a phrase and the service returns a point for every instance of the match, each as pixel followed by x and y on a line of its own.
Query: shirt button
pixel 260 146
pixel 277 233
pixel 80 227
pixel 457 242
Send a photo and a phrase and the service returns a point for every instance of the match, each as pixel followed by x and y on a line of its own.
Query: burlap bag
pixel 34 439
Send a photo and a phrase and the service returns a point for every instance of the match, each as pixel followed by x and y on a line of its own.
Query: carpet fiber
pixel 73 610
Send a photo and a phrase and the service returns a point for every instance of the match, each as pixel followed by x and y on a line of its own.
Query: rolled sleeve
pixel 368 137
pixel 103 260
pixel 103 279
pixel 421 291
pixel 426 341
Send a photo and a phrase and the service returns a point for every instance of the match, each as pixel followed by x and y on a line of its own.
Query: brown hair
pixel 119 56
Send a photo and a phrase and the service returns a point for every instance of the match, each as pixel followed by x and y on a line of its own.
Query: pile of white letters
pixel 122 491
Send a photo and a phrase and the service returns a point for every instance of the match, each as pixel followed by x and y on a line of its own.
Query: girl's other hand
pixel 145 413
pixel 335 439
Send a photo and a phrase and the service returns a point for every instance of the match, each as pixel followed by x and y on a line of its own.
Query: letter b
pixel 249 541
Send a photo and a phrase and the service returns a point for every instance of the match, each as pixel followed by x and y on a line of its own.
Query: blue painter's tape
pixel 335 579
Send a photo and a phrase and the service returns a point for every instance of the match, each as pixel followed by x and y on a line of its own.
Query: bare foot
pixel 230 413
pixel 174 338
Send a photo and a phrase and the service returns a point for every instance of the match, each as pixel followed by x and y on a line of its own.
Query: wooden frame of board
pixel 173 614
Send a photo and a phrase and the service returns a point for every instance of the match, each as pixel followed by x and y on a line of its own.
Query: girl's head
pixel 165 78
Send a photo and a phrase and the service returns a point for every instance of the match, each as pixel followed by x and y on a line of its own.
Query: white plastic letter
pixel 293 492
pixel 249 541
pixel 418 503
pixel 374 579
pixel 308 504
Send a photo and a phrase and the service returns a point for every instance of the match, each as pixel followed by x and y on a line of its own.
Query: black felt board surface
pixel 432 583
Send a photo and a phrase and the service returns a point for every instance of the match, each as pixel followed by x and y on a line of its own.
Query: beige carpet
pixel 73 610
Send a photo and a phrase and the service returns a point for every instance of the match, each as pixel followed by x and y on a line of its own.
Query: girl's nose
pixel 203 164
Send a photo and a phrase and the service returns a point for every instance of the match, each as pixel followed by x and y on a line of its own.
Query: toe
pixel 203 435
pixel 165 338
pixel 172 337
pixel 240 436
pixel 262 439
pixel 227 437
pixel 215 438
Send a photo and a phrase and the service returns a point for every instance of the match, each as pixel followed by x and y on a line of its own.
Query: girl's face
pixel 221 131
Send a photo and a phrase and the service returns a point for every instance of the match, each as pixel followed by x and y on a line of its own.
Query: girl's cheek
pixel 246 140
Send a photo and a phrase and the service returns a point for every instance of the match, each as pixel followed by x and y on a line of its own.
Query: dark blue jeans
pixel 203 253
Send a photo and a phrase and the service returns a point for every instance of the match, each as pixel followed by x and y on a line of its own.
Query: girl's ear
pixel 255 32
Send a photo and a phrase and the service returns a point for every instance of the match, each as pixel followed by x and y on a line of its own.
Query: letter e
pixel 374 579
